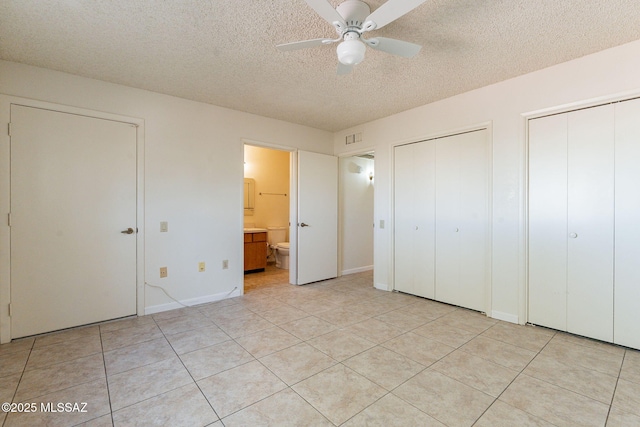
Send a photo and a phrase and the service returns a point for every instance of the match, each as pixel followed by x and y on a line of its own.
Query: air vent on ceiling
pixel 353 138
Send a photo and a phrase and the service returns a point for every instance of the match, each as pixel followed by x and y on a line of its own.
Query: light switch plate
pixel 164 226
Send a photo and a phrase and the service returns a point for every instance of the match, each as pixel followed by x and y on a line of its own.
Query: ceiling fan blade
pixel 304 44
pixel 393 46
pixel 344 69
pixel 389 12
pixel 327 12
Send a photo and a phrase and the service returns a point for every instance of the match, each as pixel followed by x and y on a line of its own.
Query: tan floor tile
pixel 631 366
pixel 308 327
pixel 443 398
pixel 416 347
pixel 391 411
pixel 175 313
pixel 64 351
pixel 593 384
pixel 445 334
pixel 619 418
pixel 103 421
pixel 237 388
pixel 8 387
pixel 267 341
pixel 339 393
pixel 312 306
pixel 128 322
pixel 66 335
pixel 183 406
pixel 499 352
pixel 528 337
pixel 18 345
pixel 283 409
pixel 341 317
pixel 244 325
pixel 137 355
pixel 554 404
pixel 184 323
pixel 284 314
pixel 340 344
pixel 42 381
pixel 296 363
pixel 400 319
pixel 185 342
pixel 469 320
pixel 226 312
pixel 216 358
pixel 627 397
pixel 374 330
pixel 429 310
pixel 128 336
pixel 136 385
pixel 588 342
pixel 476 372
pixel 384 367
pixel 369 308
pixel 502 415
pixel 597 359
pixel 265 304
pixel 13 363
pixel 92 401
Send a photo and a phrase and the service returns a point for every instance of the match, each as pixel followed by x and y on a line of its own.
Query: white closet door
pixel 414 219
pixel 590 222
pixel 462 219
pixel 627 231
pixel 548 221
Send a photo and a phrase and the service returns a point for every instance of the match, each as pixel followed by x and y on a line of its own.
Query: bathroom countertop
pixel 255 230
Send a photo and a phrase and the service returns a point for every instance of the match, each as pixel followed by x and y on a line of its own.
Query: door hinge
pixel 9 129
pixel 9 309
pixel 9 219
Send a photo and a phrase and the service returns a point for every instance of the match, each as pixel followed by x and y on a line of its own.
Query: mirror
pixel 249 196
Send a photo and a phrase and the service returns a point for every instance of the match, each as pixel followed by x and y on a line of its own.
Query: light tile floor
pixel 337 352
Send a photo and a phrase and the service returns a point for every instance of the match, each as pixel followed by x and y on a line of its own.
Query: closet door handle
pixel 573 235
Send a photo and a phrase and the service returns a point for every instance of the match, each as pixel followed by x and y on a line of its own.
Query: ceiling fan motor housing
pixel 354 12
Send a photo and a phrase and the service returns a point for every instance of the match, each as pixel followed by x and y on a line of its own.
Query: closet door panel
pixel 590 222
pixel 404 218
pixel 473 219
pixel 424 253
pixel 448 220
pixel 548 221
pixel 627 230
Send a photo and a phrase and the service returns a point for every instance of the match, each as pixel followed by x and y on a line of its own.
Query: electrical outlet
pixel 225 264
pixel 164 226
pixel 163 272
pixel 201 267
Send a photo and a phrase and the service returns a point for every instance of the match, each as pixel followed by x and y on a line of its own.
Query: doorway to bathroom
pixel 267 209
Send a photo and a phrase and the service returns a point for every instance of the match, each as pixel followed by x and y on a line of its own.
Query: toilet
pixel 277 239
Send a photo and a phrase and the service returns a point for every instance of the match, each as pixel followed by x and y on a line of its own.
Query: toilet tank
pixel 276 235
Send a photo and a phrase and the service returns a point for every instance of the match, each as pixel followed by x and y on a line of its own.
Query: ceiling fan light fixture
pixel 351 52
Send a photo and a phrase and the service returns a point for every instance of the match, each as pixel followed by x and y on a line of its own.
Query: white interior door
pixel 73 190
pixel 548 221
pixel 590 222
pixel 627 231
pixel 317 257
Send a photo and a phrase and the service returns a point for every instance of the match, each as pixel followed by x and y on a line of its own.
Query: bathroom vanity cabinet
pixel 255 250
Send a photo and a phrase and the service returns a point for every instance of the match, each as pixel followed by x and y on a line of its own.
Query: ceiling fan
pixel 353 18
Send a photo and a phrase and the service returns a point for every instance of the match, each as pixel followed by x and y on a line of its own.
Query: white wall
pixel 270 170
pixel 356 215
pixel 604 74
pixel 193 175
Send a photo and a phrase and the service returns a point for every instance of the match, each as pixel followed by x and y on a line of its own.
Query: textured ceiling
pixel 223 52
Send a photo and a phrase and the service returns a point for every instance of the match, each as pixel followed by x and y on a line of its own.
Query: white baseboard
pixel 356 270
pixel 381 286
pixel 507 317
pixel 191 301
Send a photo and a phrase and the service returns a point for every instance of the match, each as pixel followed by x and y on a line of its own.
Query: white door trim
pixel 5 192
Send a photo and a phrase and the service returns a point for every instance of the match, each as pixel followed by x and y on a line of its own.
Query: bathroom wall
pixel 356 215
pixel 270 169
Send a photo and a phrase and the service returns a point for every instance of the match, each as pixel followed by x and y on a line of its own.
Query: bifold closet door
pixel 462 219
pixel 627 230
pixel 414 218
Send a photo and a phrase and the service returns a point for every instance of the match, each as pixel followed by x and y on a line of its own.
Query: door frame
pixel 488 126
pixel 293 205
pixel 6 101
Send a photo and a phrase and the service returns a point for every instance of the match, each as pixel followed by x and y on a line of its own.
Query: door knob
pixel 573 235
pixel 302 224
pixel 456 230
pixel 128 231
